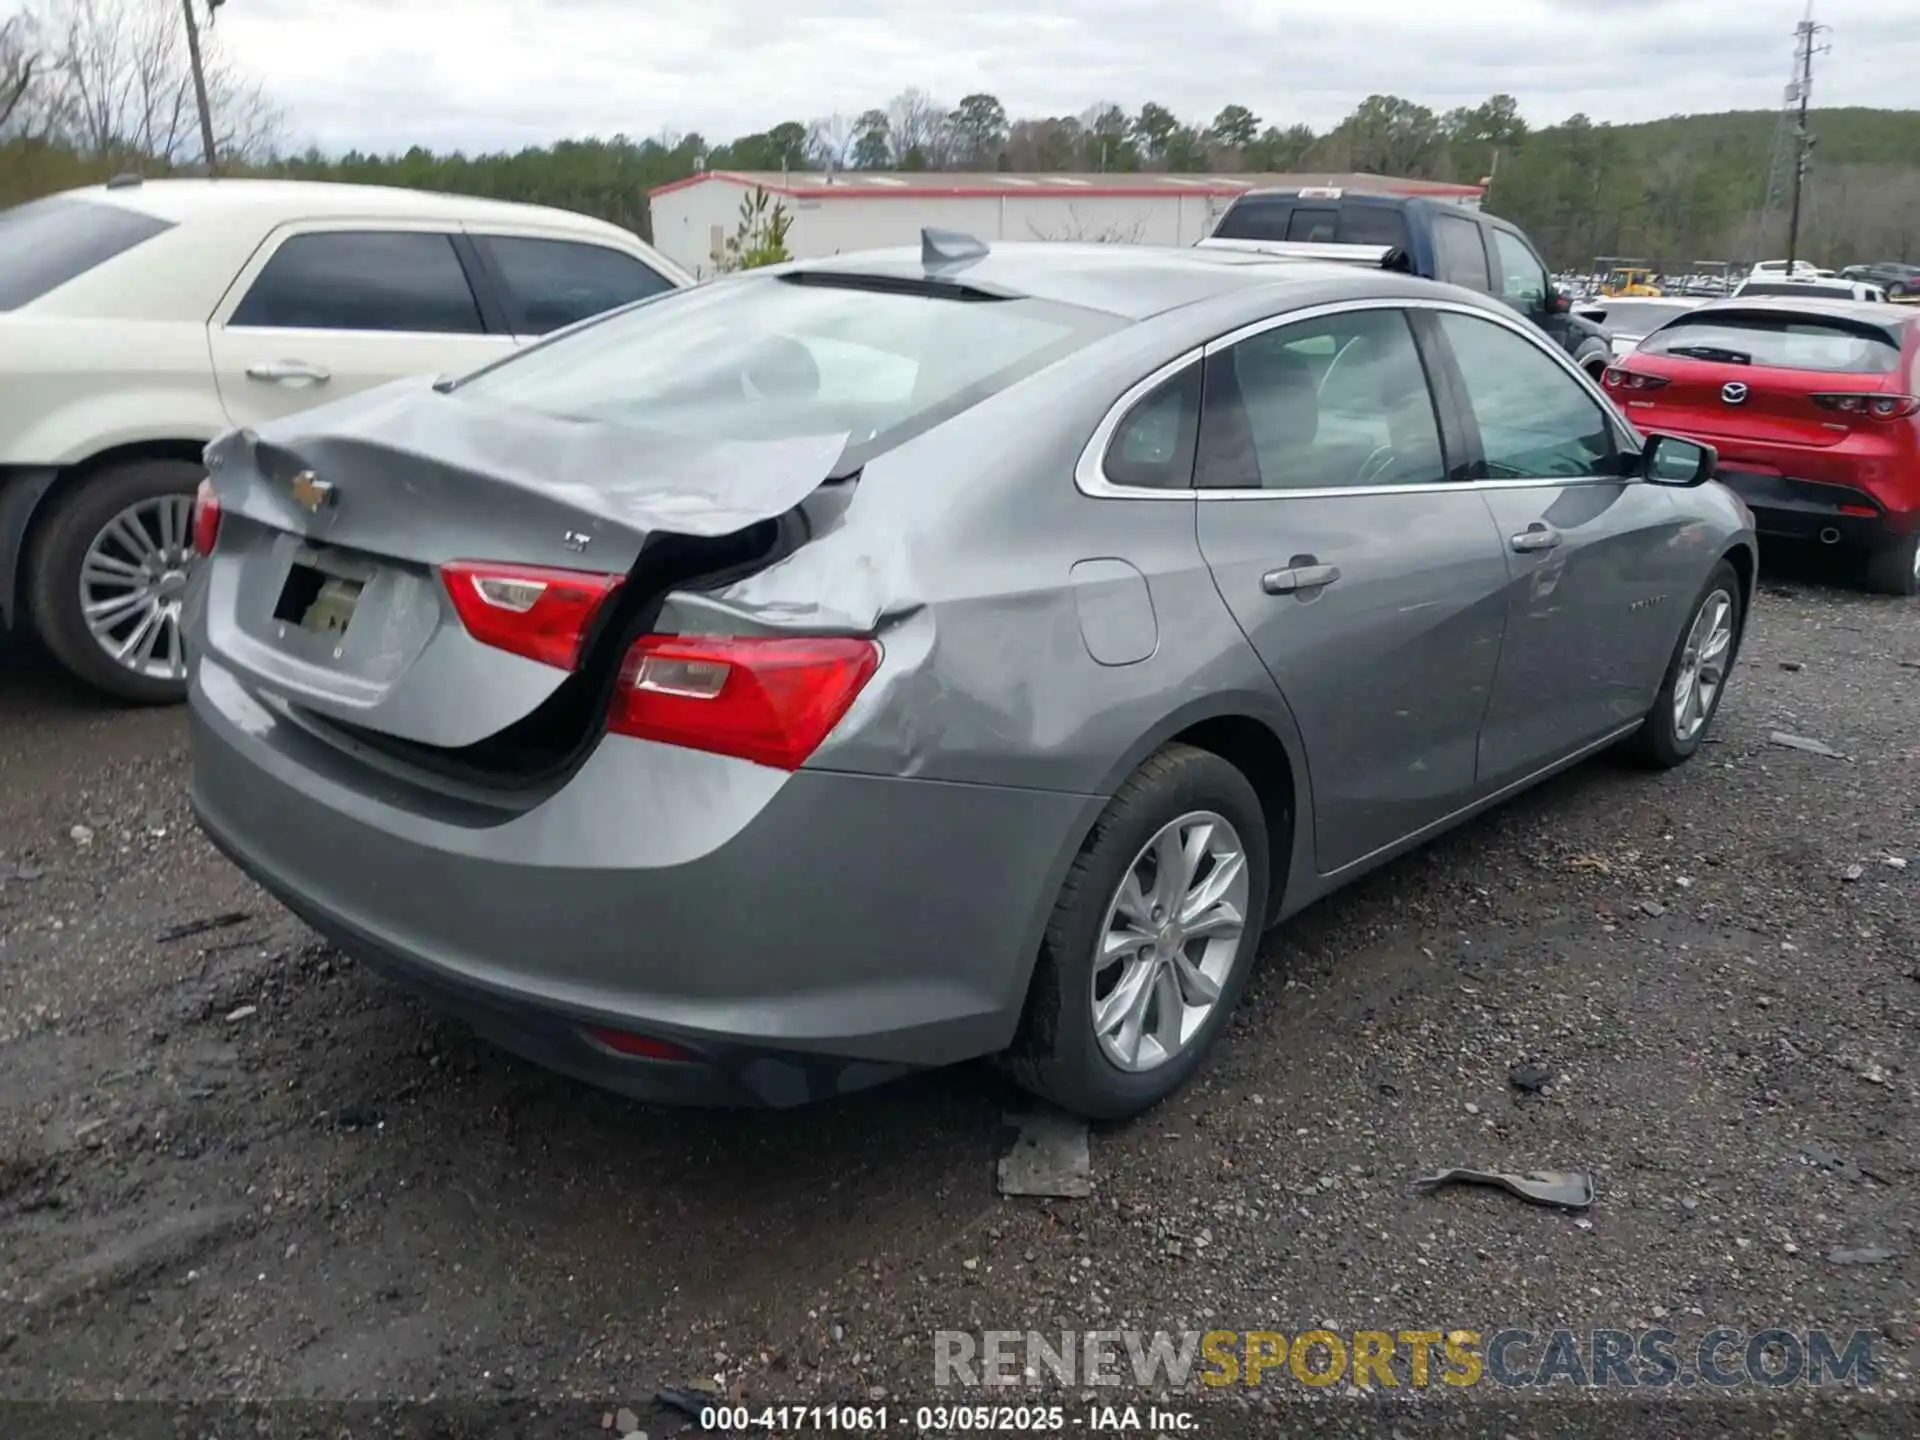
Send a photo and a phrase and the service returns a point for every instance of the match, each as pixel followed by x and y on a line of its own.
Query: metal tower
pixel 1792 144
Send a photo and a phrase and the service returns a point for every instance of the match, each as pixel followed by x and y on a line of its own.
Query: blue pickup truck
pixel 1440 240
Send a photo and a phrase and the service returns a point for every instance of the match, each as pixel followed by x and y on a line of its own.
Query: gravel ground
pixel 234 1164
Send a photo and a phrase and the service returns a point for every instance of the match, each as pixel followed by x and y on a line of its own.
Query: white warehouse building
pixel 861 209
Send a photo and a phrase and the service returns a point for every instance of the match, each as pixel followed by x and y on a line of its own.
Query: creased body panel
pixel 371 495
pixel 670 889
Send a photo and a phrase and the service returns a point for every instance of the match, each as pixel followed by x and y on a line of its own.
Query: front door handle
pixel 1298 577
pixel 1537 536
pixel 289 371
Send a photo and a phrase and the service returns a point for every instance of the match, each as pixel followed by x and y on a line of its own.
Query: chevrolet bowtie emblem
pixel 311 493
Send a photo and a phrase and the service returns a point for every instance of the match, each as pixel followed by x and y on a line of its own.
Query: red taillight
pixel 641 1047
pixel 205 529
pixel 527 610
pixel 1869 406
pixel 1618 379
pixel 767 699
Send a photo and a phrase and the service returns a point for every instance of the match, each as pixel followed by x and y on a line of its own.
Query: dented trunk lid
pixel 324 588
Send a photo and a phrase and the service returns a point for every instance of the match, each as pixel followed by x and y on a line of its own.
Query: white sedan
pixel 140 319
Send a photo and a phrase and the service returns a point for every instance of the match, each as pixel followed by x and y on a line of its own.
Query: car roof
pixel 1131 281
pixel 276 201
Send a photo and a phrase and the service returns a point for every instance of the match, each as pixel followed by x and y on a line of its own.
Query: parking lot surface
pixel 233 1162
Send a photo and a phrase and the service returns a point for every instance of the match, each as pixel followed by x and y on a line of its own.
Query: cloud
pixel 490 74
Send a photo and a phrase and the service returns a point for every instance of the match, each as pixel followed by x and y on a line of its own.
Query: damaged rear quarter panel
pixel 957 551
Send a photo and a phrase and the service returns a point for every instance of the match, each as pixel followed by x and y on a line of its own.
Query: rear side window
pixel 1334 403
pixel 555 283
pixel 1781 342
pixel 1460 255
pixel 771 358
pixel 46 243
pixel 405 280
pixel 1259 218
pixel 1152 449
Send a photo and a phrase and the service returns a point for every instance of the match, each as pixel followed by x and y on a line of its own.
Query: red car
pixel 1814 406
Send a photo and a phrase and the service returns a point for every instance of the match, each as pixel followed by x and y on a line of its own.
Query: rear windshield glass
pixel 1782 342
pixel 1638 318
pixel 1797 287
pixel 1255 219
pixel 46 243
pixel 764 358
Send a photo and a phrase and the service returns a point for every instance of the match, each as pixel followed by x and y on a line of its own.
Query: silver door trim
pixel 1089 473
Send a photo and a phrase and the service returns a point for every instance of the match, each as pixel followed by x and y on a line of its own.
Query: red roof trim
pixel 933 190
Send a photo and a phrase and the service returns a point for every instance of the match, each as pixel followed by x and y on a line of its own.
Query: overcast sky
pixel 488 74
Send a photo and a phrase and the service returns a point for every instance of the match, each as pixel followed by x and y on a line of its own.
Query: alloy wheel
pixel 1167 946
pixel 132 582
pixel 1703 665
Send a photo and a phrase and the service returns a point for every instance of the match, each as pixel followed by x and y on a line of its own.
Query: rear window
pixel 767 358
pixel 1640 316
pixel 46 243
pixel 1258 218
pixel 1366 224
pixel 1797 287
pixel 1781 342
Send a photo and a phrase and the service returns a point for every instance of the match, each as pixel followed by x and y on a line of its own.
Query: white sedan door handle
pixel 289 371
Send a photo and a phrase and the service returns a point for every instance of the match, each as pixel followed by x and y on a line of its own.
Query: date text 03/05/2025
pixel 946 1419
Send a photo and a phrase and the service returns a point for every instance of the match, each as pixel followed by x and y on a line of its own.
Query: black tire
pixel 1056 1054
pixel 1890 570
pixel 60 546
pixel 1594 357
pixel 1658 743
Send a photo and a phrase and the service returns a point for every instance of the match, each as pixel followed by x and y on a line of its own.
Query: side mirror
pixel 1669 460
pixel 1558 303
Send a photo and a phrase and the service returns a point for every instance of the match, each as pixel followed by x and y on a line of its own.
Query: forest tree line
pixel 91 88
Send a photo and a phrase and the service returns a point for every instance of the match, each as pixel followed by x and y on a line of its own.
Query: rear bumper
pixel 805 934
pixel 1796 509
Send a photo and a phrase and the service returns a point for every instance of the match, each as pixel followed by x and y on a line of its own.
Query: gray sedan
pixel 877 663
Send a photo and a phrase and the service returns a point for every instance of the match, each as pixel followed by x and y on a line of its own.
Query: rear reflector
pixel 640 1047
pixel 767 699
pixel 205 530
pixel 1864 510
pixel 525 610
pixel 1619 379
pixel 1870 406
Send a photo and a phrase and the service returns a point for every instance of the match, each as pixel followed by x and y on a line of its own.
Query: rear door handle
pixel 289 370
pixel 1296 578
pixel 1537 536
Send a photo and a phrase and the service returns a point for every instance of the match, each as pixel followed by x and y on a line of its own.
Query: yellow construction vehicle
pixel 1625 277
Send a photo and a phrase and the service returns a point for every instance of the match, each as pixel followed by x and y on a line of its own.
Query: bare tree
pixel 22 74
pixel 123 85
pixel 1082 228
pixel 914 122
pixel 830 141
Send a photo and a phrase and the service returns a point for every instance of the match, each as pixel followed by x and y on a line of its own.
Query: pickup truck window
pixel 1523 279
pixel 1460 256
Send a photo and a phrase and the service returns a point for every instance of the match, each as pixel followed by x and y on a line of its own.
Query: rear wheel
pixel 1150 941
pixel 1696 676
pixel 1895 569
pixel 107 576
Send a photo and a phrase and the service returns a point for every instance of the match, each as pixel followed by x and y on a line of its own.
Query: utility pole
pixel 1806 30
pixel 200 80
